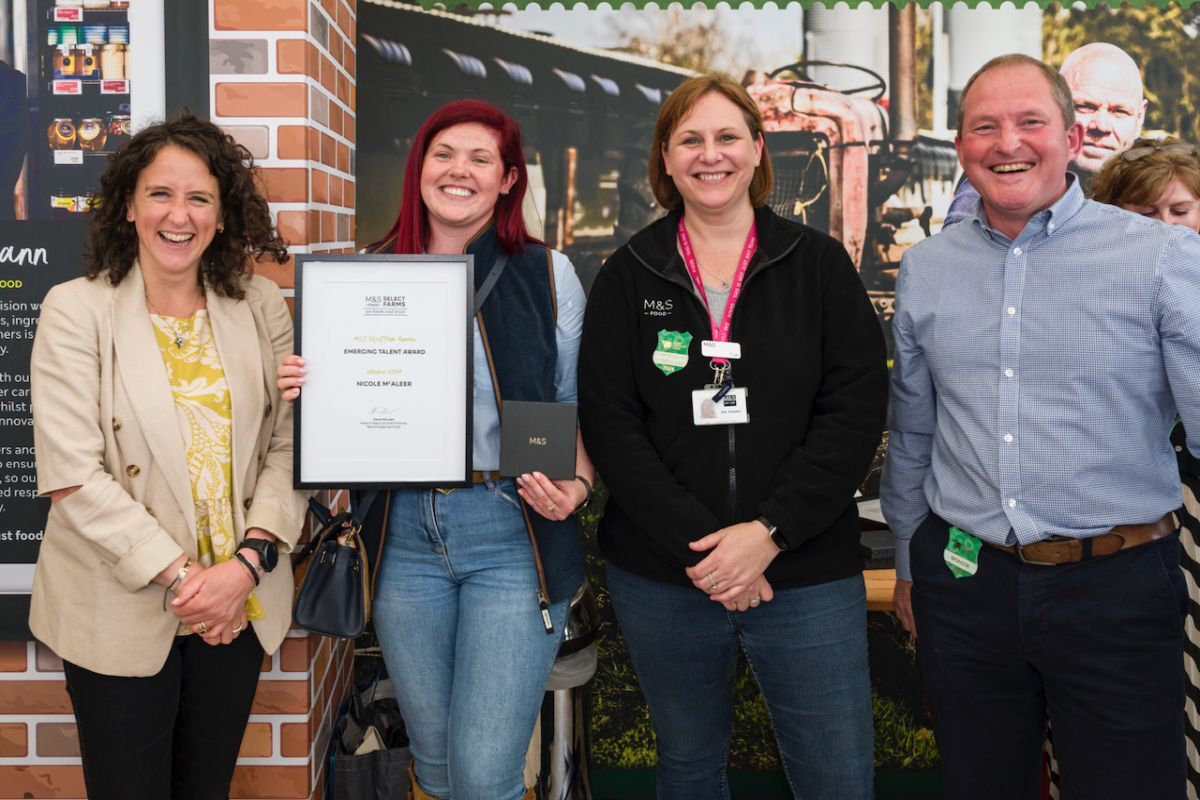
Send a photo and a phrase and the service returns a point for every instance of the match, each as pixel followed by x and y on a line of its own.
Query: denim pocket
pixel 506 491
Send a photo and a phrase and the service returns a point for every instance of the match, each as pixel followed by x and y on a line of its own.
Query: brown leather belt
pixel 1065 550
pixel 477 476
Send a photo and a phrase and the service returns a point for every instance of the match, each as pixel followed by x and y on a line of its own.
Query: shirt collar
pixel 1048 220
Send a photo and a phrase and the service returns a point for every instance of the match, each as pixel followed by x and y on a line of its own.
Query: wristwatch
pixel 773 532
pixel 268 554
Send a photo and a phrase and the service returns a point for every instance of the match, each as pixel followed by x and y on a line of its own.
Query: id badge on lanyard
pixel 720 402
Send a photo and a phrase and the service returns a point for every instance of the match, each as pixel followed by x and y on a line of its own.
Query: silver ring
pixel 754 601
pixel 712 583
pixel 238 629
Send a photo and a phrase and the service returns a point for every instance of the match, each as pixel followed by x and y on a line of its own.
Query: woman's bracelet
pixel 178 582
pixel 249 567
pixel 587 501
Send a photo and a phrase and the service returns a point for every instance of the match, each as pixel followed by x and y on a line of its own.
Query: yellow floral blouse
pixel 197 379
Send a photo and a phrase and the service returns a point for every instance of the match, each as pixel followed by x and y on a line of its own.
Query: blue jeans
pixel 457 616
pixel 807 649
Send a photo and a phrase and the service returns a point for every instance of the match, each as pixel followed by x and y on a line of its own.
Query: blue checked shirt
pixel 1036 380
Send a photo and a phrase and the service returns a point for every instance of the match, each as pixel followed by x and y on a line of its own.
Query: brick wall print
pixel 282 82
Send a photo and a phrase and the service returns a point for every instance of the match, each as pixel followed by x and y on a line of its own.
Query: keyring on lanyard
pixel 720 366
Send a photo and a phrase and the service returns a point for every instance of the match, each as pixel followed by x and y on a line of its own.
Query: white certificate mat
pixel 387 341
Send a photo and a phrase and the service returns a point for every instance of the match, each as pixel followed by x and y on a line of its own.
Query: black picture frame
pixel 461 272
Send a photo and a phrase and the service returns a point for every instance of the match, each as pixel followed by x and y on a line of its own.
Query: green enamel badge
pixel 962 553
pixel 671 353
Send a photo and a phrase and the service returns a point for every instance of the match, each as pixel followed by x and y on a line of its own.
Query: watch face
pixel 268 554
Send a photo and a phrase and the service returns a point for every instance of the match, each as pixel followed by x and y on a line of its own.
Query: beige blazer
pixel 104 420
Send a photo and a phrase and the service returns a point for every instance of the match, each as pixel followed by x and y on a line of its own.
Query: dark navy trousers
pixel 1095 647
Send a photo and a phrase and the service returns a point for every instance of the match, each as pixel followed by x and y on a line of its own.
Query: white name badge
pixel 711 349
pixel 732 409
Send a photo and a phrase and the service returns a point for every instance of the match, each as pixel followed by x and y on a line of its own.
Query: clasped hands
pixel 212 600
pixel 732 572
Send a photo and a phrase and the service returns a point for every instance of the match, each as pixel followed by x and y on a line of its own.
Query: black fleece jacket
pixel 814 362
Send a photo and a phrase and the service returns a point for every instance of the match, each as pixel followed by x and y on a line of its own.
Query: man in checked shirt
pixel 1043 348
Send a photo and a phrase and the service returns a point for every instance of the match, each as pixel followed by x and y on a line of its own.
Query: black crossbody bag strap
pixel 489 282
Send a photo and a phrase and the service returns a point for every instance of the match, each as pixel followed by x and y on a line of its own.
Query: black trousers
pixel 1097 647
pixel 173 735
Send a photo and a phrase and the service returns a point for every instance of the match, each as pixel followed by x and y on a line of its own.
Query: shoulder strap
pixel 489 282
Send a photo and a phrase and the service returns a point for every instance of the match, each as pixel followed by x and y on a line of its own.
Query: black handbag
pixel 333 594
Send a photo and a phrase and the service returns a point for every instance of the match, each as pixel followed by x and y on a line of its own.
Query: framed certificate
pixel 388 344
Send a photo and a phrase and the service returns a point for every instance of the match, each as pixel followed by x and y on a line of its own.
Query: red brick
pixel 335 190
pixel 43 781
pixel 267 663
pixel 291 56
pixel 283 274
pixel 285 184
pixel 14 740
pixel 260 15
pixel 328 74
pixel 57 739
pixel 349 128
pixel 328 151
pixel 270 782
pixel 343 157
pixel 14 656
pixel 292 141
pixel 34 697
pixel 320 187
pixel 293 740
pixel 262 99
pixel 47 660
pixel 330 7
pixel 348 198
pixel 293 656
pixel 343 88
pixel 336 118
pixel 328 234
pixel 291 227
pixel 313 230
pixel 256 741
pixel 343 17
pixel 281 697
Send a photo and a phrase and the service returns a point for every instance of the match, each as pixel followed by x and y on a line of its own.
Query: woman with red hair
pixel 468 613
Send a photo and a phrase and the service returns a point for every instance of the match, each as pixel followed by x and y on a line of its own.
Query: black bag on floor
pixel 382 773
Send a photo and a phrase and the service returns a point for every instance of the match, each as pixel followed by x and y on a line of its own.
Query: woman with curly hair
pixel 167 456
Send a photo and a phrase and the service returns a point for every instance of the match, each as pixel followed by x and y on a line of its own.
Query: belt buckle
pixel 1024 560
pixel 443 491
pixel 1020 548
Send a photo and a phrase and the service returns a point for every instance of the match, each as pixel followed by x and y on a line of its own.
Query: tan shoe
pixel 415 792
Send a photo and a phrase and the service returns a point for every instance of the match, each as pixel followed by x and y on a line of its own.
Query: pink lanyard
pixel 721 332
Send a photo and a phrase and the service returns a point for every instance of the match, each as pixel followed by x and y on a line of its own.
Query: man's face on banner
pixel 1013 145
pixel 1107 90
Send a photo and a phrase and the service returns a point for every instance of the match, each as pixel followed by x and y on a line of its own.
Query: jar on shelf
pixel 68 3
pixel 95 34
pixel 61 134
pixel 63 204
pixel 96 5
pixel 66 62
pixel 120 128
pixel 112 61
pixel 92 134
pixel 85 201
pixel 87 64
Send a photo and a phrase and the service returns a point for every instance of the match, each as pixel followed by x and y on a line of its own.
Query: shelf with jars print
pixel 85 109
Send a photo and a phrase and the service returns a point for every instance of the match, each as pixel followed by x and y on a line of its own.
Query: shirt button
pixel 1012 310
pixel 1008 437
pixel 1008 373
pixel 1050 226
pixel 1012 503
pixel 1016 251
